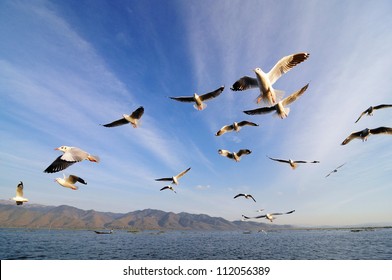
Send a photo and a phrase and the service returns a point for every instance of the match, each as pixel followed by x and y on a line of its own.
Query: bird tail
pixel 93 158
pixel 294 166
pixel 74 188
pixel 201 107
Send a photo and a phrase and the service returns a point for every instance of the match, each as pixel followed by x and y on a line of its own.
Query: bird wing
pixel 224 129
pixel 182 173
pixel 19 190
pixel 246 217
pixel 280 160
pixel 58 164
pixel 252 198
pixel 165 188
pixel 245 83
pixel 363 113
pixel 351 137
pixel 304 161
pixel 291 98
pixel 225 153
pixel 240 194
pixel 243 123
pixel 259 111
pixel 381 129
pixel 164 179
pixel 381 106
pixel 116 123
pixel 243 152
pixel 138 113
pixel 275 214
pixel 184 98
pixel 285 64
pixel 340 166
pixel 259 217
pixel 212 94
pixel 73 179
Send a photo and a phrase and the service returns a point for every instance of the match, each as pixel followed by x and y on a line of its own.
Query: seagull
pixel 293 163
pixel 174 179
pixel 70 181
pixel 235 156
pixel 198 99
pixel 279 107
pixel 235 126
pixel 260 210
pixel 133 119
pixel 19 194
pixel 264 81
pixel 269 216
pixel 364 134
pixel 70 156
pixel 247 196
pixel 335 170
pixel 369 111
pixel 168 188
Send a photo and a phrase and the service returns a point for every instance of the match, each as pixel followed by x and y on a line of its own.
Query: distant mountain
pixel 68 217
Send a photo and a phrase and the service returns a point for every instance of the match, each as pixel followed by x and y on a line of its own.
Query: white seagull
pixel 19 194
pixel 198 99
pixel 168 188
pixel 369 111
pixel 247 196
pixel 335 170
pixel 364 134
pixel 280 107
pixel 133 119
pixel 269 216
pixel 235 156
pixel 235 126
pixel 264 81
pixel 174 179
pixel 70 156
pixel 293 163
pixel 70 181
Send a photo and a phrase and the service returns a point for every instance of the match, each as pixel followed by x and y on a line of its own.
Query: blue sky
pixel 68 66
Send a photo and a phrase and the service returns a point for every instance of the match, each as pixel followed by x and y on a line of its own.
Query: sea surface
pixel 341 244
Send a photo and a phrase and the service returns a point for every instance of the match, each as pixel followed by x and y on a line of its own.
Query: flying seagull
pixel 168 188
pixel 335 170
pixel 264 81
pixel 293 163
pixel 369 111
pixel 279 108
pixel 364 134
pixel 235 156
pixel 198 99
pixel 133 119
pixel 69 182
pixel 235 126
pixel 269 216
pixel 70 156
pixel 19 194
pixel 174 179
pixel 247 196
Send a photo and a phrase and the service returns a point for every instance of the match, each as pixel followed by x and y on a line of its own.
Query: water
pixel 152 245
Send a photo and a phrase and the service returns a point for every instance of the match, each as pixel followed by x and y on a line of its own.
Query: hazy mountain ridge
pixel 68 217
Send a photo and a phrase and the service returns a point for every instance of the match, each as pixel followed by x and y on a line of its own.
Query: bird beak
pixel 56 149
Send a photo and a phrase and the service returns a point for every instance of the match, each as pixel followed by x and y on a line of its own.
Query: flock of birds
pixel 272 98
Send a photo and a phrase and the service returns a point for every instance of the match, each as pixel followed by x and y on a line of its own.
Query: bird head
pixel 63 148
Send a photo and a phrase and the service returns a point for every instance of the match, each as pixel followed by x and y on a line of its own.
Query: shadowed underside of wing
pixel 116 123
pixel 58 164
pixel 244 83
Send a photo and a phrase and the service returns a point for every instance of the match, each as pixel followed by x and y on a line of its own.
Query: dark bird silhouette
pixel 133 119
pixel 198 99
pixel 364 134
pixel 369 111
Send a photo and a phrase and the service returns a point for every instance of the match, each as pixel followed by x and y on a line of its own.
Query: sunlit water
pixel 193 245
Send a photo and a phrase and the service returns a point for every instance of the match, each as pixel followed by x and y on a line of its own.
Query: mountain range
pixel 68 217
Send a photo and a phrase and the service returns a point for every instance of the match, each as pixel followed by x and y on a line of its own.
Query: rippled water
pixel 152 245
